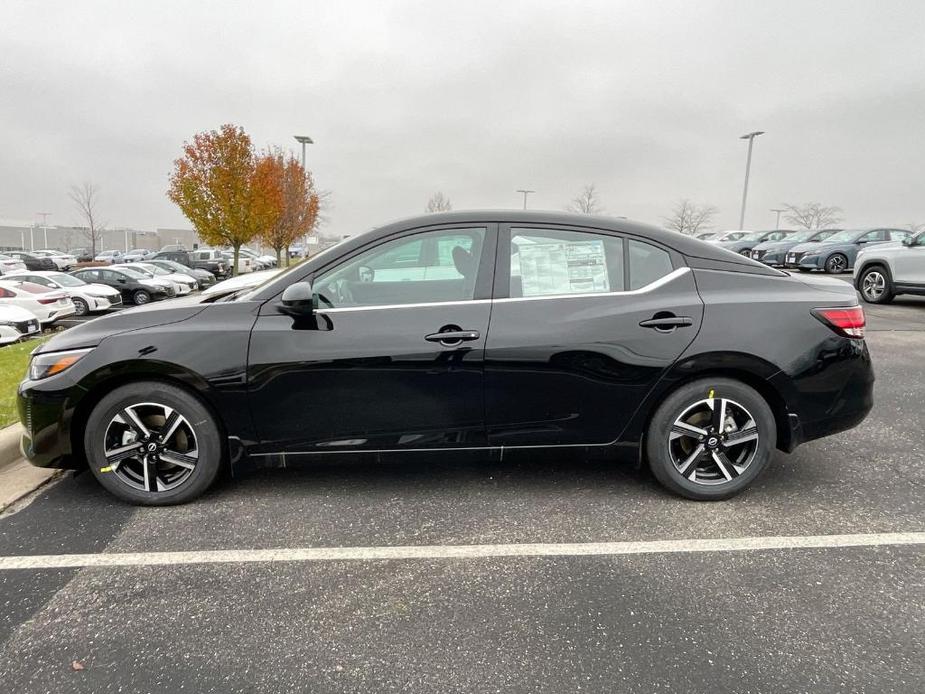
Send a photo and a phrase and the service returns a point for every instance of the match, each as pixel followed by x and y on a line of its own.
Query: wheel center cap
pixel 152 447
pixel 712 442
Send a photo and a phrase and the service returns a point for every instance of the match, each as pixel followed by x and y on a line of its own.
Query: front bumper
pixel 774 258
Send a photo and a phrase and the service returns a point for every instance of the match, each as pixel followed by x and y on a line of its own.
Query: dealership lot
pixel 825 618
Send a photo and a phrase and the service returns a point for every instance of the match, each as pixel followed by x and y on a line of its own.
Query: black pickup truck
pixel 203 259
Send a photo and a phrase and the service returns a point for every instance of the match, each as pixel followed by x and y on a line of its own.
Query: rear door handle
pixel 667 323
pixel 453 337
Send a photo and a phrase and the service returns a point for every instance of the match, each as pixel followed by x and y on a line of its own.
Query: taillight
pixel 845 321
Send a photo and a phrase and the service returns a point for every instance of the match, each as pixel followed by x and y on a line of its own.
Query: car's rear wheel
pixel 875 285
pixel 710 439
pixel 836 264
pixel 141 297
pixel 153 443
pixel 80 307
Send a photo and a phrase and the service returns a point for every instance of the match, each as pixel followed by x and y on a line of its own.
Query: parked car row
pixel 831 250
pixel 37 306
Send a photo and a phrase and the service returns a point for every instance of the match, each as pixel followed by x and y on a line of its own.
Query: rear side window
pixel 549 262
pixel 647 263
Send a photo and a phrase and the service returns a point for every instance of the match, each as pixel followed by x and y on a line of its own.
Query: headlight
pixel 51 363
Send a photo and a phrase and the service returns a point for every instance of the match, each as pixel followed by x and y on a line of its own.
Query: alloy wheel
pixel 713 441
pixel 874 285
pixel 150 447
pixel 837 263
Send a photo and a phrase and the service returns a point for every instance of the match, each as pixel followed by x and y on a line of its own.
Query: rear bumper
pixel 834 394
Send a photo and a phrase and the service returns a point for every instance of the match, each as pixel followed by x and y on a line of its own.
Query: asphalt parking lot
pixel 822 618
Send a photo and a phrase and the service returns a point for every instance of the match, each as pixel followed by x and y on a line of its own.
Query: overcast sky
pixel 475 99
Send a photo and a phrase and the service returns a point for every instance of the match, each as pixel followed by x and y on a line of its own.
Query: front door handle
pixel 667 322
pixel 449 338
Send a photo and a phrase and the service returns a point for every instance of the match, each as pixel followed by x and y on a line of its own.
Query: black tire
pixel 80 307
pixel 836 263
pixel 119 479
pixel 805 269
pixel 875 285
pixel 660 448
pixel 141 297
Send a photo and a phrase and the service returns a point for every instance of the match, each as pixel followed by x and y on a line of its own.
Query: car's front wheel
pixel 710 439
pixel 80 307
pixel 875 285
pixel 141 297
pixel 153 443
pixel 836 264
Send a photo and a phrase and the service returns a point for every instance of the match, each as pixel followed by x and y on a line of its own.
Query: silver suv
pixel 885 270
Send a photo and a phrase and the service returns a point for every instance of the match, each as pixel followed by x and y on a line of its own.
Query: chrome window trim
pixel 660 282
pixel 426 304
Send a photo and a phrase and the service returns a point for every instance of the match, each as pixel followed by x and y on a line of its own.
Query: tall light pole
pixel 304 140
pixel 775 209
pixel 526 193
pixel 748 163
pixel 44 216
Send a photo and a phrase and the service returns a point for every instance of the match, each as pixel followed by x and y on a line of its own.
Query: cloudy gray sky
pixel 645 99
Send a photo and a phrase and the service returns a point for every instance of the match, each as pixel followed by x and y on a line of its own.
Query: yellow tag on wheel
pixel 106 469
pixel 711 394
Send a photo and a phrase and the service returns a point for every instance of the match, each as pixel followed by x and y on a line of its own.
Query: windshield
pixel 155 270
pixel 843 236
pixel 133 273
pixel 66 280
pixel 732 235
pixel 177 267
pixel 821 235
pixel 805 235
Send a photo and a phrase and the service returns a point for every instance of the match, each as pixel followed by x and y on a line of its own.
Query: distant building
pixel 66 238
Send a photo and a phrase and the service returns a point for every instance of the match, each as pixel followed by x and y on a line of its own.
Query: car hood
pixel 781 245
pixel 91 333
pixel 15 313
pixel 808 246
pixel 96 290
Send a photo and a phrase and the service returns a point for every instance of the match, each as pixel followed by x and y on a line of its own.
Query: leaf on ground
pixel 77 665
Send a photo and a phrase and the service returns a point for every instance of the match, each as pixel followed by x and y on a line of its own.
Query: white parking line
pixel 313 554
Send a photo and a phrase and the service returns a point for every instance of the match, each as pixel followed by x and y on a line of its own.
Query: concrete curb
pixel 9 445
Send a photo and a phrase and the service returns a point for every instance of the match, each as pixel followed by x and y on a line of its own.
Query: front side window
pixel 434 266
pixel 878 235
pixel 548 262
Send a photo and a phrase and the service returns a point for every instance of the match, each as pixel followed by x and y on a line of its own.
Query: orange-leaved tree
pixel 297 200
pixel 218 188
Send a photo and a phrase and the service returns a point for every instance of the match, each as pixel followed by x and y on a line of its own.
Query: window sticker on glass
pixel 563 267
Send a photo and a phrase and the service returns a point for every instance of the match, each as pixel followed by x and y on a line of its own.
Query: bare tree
pixel 690 218
pixel 86 199
pixel 587 202
pixel 813 215
pixel 438 203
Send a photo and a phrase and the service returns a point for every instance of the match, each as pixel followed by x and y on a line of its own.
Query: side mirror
pixel 298 299
pixel 908 240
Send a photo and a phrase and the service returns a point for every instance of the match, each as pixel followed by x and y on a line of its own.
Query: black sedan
pixel 480 333
pixel 33 262
pixel 135 287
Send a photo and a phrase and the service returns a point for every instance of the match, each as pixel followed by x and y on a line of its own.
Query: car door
pixel 583 324
pixel 391 359
pixel 909 263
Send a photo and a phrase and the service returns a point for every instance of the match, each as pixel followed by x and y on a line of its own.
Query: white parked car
pixel 63 261
pixel 109 257
pixel 87 298
pixel 245 264
pixel 9 264
pixel 17 323
pixel 883 270
pixel 262 262
pixel 48 305
pixel 137 255
pixel 183 284
pixel 233 284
